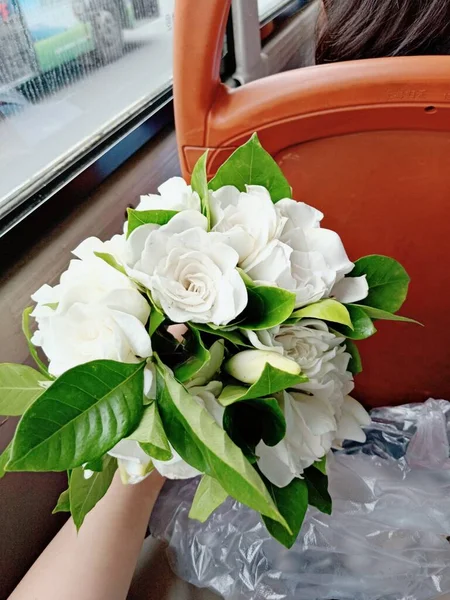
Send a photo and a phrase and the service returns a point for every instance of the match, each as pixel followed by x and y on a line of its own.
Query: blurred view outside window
pixel 270 8
pixel 70 72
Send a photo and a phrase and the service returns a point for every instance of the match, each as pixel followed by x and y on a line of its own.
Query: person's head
pixel 356 29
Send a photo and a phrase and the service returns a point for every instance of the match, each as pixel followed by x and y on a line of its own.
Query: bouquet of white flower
pixel 251 392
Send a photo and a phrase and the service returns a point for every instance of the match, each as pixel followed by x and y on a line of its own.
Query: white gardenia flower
pixel 174 194
pixel 249 220
pixel 317 412
pixel 319 353
pixel 310 431
pixel 191 273
pixel 94 313
pixel 307 260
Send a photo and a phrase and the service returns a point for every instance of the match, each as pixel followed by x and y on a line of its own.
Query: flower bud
pixel 247 366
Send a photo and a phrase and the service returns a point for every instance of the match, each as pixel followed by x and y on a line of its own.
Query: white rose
pixel 174 194
pixel 308 260
pixel 95 313
pixel 249 220
pixel 191 273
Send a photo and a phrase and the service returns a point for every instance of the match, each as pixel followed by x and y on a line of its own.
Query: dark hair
pixel 355 29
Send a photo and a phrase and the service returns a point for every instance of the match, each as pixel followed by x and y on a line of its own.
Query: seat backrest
pixel 366 142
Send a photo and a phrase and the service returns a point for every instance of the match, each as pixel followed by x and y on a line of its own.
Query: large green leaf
pixel 209 495
pixel 157 318
pixel 362 324
pixel 231 336
pixel 85 493
pixel 198 357
pixel 267 307
pixel 206 373
pixel 292 502
pixel 198 439
pixel 326 310
pixel 151 436
pixel 28 335
pixel 383 315
pixel 199 184
pixel 247 423
pixel 4 458
pixel 270 382
pixel 82 415
pixel 252 165
pixel 19 387
pixel 321 465
pixel 318 495
pixel 63 504
pixel 355 364
pixel 388 282
pixel 111 261
pixel 136 218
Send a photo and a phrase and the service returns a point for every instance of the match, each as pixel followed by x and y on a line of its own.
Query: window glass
pixel 71 71
pixel 268 9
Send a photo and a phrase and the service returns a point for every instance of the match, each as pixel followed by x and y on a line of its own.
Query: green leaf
pixel 252 165
pixel 82 415
pixel 326 310
pixel 136 218
pixel 292 502
pixel 198 357
pixel 19 387
pixel 111 261
pixel 362 325
pixel 206 373
pixel 94 465
pixel 267 307
pixel 4 458
pixel 198 439
pixel 28 335
pixel 318 495
pixel 271 381
pixel 383 315
pixel 151 436
pixel 231 336
pixel 388 282
pixel 355 364
pixel 63 504
pixel 209 496
pixel 321 465
pixel 157 317
pixel 199 184
pixel 85 493
pixel 247 423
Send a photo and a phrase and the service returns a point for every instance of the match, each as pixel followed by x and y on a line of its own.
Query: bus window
pixel 71 72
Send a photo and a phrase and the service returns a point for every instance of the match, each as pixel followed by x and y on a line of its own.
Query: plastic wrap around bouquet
pixel 215 336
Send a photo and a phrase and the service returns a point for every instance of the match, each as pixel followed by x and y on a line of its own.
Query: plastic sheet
pixel 386 538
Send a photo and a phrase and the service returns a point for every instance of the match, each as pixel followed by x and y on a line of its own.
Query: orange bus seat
pixel 366 142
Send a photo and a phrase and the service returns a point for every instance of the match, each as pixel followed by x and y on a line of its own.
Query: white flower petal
pixel 175 468
pixel 298 214
pixel 273 464
pixel 350 289
pixel 175 194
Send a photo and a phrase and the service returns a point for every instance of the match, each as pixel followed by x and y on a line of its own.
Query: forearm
pixel 98 562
